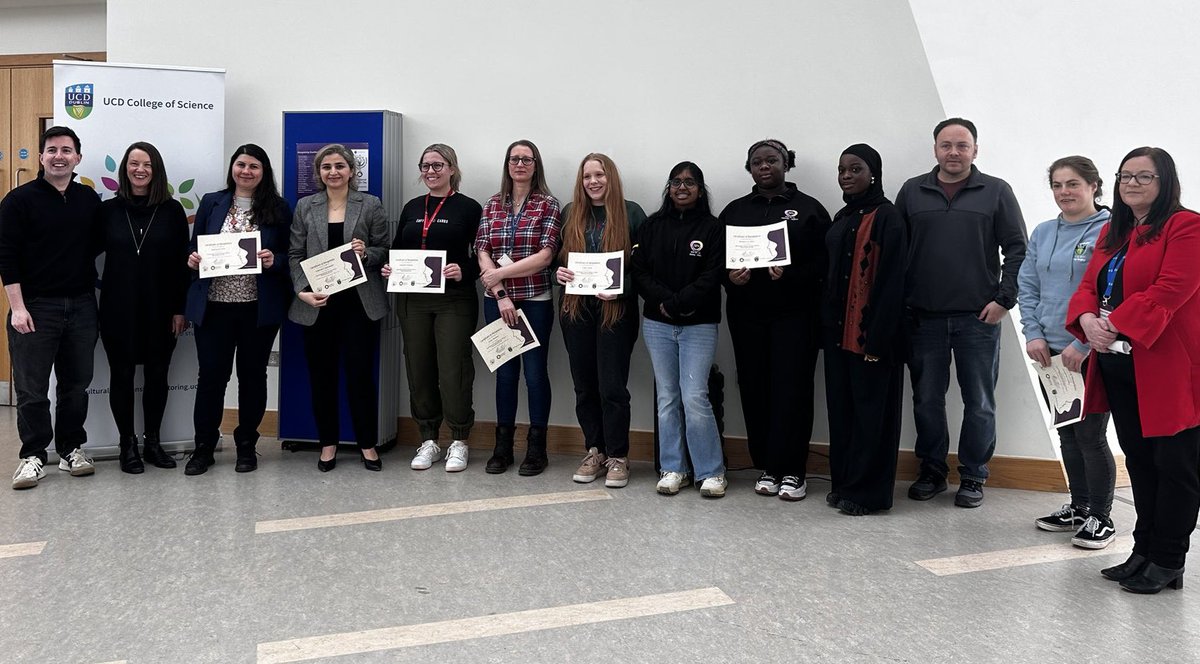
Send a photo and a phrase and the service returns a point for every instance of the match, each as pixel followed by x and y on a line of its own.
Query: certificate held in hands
pixel 416 271
pixel 596 273
pixel 334 271
pixel 1062 391
pixel 757 246
pixel 225 254
pixel 498 343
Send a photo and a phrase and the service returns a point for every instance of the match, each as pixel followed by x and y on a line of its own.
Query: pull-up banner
pixel 181 111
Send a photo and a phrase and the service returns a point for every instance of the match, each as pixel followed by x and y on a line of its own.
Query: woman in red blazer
pixel 1137 306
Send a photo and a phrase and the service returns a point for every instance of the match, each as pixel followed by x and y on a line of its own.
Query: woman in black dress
pixel 144 237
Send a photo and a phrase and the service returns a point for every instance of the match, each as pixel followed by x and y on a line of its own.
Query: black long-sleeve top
pixel 46 239
pixel 679 263
pixel 799 289
pixel 882 317
pixel 453 230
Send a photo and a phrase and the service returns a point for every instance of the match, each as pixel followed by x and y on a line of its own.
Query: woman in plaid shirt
pixel 515 244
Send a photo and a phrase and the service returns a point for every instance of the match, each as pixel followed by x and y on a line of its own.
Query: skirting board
pixel 1006 472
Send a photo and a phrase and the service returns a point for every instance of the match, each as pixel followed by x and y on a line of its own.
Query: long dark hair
pixel 157 190
pixel 538 185
pixel 1123 221
pixel 264 205
pixel 702 204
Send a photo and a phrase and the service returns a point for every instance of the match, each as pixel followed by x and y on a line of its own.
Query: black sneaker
pixel 767 485
pixel 970 494
pixel 928 485
pixel 1097 533
pixel 1068 517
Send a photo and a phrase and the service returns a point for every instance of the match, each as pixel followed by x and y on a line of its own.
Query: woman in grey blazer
pixel 343 324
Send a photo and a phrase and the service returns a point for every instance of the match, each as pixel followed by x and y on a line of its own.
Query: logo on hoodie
pixel 1081 252
pixel 696 247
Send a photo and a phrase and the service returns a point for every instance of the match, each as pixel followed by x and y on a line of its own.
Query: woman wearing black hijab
pixel 862 314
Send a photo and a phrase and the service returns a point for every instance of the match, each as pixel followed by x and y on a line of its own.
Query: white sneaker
pixel 29 471
pixel 77 463
pixel 456 457
pixel 671 482
pixel 427 453
pixel 793 488
pixel 713 487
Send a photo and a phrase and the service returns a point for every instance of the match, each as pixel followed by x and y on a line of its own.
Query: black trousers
pixel 599 361
pixel 1164 471
pixel 776 359
pixel 231 328
pixel 343 334
pixel 864 401
pixel 121 393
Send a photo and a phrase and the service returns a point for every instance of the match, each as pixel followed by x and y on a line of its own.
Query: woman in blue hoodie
pixel 1058 253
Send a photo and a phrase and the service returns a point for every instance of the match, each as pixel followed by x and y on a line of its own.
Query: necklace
pixel 140 238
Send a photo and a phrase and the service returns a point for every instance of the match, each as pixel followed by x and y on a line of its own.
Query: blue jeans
pixel 976 349
pixel 537 375
pixel 682 357
pixel 64 339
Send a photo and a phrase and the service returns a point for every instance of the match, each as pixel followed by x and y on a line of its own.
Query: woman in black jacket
pixel 677 266
pixel 144 237
pixel 864 360
pixel 774 315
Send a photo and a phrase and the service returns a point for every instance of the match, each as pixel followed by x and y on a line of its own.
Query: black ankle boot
pixel 131 462
pixel 1153 579
pixel 201 459
pixel 535 453
pixel 1125 570
pixel 247 458
pixel 502 456
pixel 153 452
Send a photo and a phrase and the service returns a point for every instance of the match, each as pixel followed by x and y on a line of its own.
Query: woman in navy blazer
pixel 239 313
pixel 341 327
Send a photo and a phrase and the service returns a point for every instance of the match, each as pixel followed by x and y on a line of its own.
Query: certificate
pixel 1062 390
pixel 416 271
pixel 757 246
pixel 334 271
pixel 224 254
pixel 597 273
pixel 498 343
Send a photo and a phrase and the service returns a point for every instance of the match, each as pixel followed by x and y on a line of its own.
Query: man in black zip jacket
pixel 957 292
pixel 49 274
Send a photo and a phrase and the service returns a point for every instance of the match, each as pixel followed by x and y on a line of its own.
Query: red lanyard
pixel 428 219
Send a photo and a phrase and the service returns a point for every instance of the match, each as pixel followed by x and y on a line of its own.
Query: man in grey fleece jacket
pixel 957 292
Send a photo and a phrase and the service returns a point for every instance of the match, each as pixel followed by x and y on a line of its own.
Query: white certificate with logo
pixel 1062 390
pixel 416 271
pixel 334 271
pixel 498 343
pixel 225 254
pixel 597 273
pixel 757 246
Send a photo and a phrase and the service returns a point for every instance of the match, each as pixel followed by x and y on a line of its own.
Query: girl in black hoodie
pixel 677 265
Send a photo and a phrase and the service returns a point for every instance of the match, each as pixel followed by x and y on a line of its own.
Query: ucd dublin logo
pixel 79 100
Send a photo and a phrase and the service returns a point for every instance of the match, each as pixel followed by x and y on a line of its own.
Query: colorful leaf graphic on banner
pixel 87 182
pixel 110 183
pixel 186 203
pixel 186 185
pixel 110 164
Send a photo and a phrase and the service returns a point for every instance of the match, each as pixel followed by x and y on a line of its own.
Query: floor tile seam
pixel 430 510
pixel 504 624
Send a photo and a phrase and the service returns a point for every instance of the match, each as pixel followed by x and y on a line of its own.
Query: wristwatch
pixel 500 293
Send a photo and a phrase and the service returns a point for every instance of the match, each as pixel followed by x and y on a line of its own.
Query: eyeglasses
pixel 676 183
pixel 1143 178
pixel 524 161
pixel 435 166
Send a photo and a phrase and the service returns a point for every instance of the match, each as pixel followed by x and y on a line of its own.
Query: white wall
pixel 653 84
pixel 51 26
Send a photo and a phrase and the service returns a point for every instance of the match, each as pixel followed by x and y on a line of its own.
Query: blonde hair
pixel 451 158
